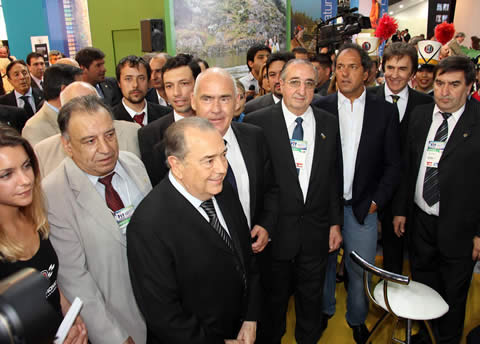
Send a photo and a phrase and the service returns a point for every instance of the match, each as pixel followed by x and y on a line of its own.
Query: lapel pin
pixel 323 136
pixel 465 135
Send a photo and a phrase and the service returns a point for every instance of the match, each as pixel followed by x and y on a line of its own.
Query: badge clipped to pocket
pixel 299 149
pixel 122 216
pixel 434 153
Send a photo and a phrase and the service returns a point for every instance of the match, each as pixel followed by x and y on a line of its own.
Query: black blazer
pixel 13 116
pixel 259 103
pixel 415 98
pixel 459 168
pixel 378 162
pixel 34 84
pixel 155 112
pixel 112 95
pixel 302 224
pixel 148 137
pixel 187 282
pixel 10 99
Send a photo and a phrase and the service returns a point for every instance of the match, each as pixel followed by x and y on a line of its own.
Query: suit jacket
pixel 459 168
pixel 41 125
pixel 195 292
pixel 34 84
pixel 302 224
pixel 259 103
pixel 13 116
pixel 152 96
pixel 148 137
pixel 378 162
pixel 93 252
pixel 50 152
pixel 10 99
pixel 155 112
pixel 112 95
pixel 415 98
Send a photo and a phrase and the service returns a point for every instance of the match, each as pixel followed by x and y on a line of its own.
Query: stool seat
pixel 414 301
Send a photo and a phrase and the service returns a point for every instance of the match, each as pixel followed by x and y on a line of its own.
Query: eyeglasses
pixel 295 83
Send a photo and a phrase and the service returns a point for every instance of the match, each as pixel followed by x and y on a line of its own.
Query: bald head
pixel 77 89
pixel 68 61
pixel 215 98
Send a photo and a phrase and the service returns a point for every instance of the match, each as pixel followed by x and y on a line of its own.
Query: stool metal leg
pixel 408 331
pixel 377 326
pixel 394 327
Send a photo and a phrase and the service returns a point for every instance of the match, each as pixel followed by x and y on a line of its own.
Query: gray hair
pixel 90 104
pixel 283 73
pixel 77 89
pixel 217 71
pixel 175 143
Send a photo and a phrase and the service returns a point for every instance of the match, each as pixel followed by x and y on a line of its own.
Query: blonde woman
pixel 23 222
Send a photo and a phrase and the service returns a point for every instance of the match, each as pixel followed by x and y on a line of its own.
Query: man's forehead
pixel 262 53
pixel 298 71
pixel 215 85
pixel 130 70
pixel 182 72
pixel 451 76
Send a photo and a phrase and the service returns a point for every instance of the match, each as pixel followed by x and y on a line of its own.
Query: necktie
pixel 298 133
pixel 230 175
pixel 27 107
pixel 114 202
pixel 395 103
pixel 139 118
pixel 99 90
pixel 215 223
pixel 41 84
pixel 431 189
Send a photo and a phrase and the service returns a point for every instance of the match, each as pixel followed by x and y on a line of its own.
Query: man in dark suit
pixel 156 94
pixel 179 74
pixel 438 196
pixel 274 65
pixel 36 67
pixel 92 62
pixel 303 145
pixel 133 74
pixel 370 140
pixel 190 240
pixel 23 96
pixel 399 64
pixel 323 64
pixel 13 116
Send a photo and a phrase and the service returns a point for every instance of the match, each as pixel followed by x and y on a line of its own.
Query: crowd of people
pixel 184 206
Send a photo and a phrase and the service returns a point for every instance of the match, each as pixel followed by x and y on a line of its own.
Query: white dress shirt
pixel 132 112
pixel 275 98
pixel 249 80
pixel 308 125
pixel 54 108
pixel 123 184
pixel 177 116
pixel 38 82
pixel 350 117
pixel 21 103
pixel 237 163
pixel 196 203
pixel 437 121
pixel 401 102
pixel 161 101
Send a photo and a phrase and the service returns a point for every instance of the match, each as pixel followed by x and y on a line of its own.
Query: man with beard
pixel 275 63
pixel 133 74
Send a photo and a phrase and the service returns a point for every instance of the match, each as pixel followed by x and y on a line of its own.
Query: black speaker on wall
pixel 153 35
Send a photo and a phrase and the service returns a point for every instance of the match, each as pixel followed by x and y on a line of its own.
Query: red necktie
pixel 114 202
pixel 139 118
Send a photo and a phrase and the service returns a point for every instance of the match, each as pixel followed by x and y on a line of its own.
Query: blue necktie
pixel 298 133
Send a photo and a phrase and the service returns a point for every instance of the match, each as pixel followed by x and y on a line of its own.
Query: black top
pixel 45 261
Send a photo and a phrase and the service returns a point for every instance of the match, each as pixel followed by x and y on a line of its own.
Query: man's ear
pixel 176 166
pixel 67 147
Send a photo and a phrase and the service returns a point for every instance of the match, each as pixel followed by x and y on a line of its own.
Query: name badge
pixel 434 153
pixel 122 216
pixel 299 149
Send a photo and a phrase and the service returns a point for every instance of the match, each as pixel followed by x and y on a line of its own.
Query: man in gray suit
pixel 50 151
pixel 91 197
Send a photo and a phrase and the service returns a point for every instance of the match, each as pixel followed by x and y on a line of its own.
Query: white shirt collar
pixel 457 114
pixel 276 99
pixel 132 112
pixel 403 94
pixel 342 99
pixel 118 170
pixel 36 80
pixel 291 117
pixel 229 135
pixel 29 93
pixel 52 107
pixel 192 199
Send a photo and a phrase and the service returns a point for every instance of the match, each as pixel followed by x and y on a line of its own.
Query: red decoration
pixel 444 33
pixel 387 26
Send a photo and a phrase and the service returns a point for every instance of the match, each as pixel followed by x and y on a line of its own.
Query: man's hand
pixel 476 248
pixel 248 332
pixel 262 238
pixel 78 333
pixel 129 341
pixel 399 225
pixel 373 208
pixel 335 238
pixel 233 341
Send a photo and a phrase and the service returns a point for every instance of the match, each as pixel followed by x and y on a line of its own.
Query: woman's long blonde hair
pixel 35 211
